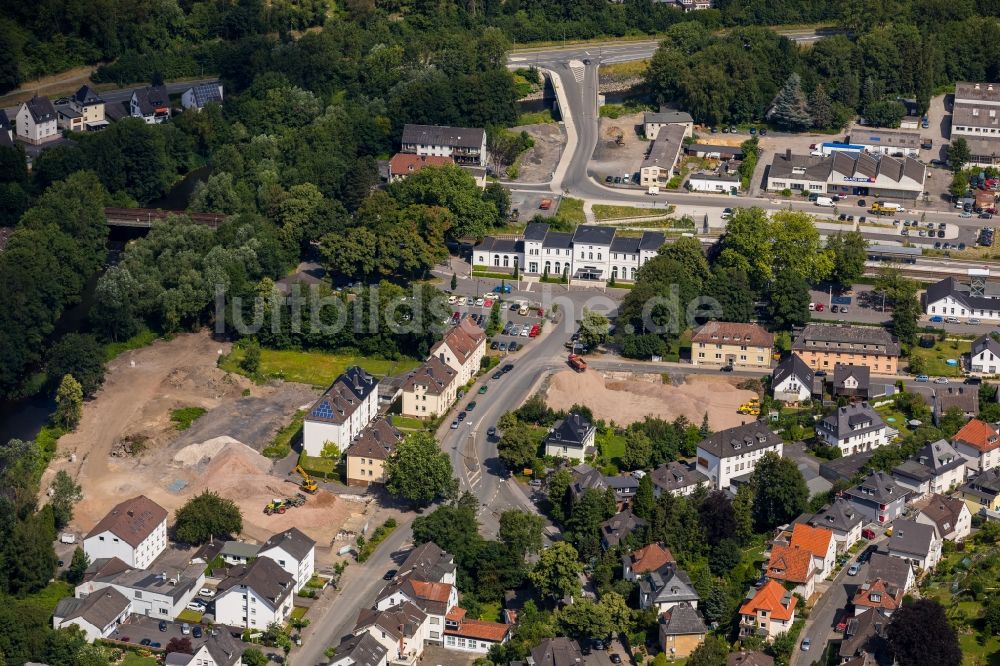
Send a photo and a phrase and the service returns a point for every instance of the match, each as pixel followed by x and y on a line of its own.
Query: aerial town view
pixel 520 333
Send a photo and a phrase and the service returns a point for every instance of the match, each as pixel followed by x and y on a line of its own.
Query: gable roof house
pixel 559 651
pixel 949 516
pixel 157 594
pixel 731 455
pixel 878 498
pixel 963 398
pixel 571 437
pixel 134 531
pixel 433 598
pixel 665 588
pixel 462 348
pixel 342 412
pixel 429 390
pixel 429 562
pixel 793 567
pixel 294 552
pixel 36 121
pixel 255 595
pixel 151 103
pixel 367 454
pixel 467 146
pixel 199 96
pixel 96 615
pixel 842 519
pixel 360 650
pixel 404 165
pixel 936 468
pixel 732 344
pixel 682 630
pixel 979 443
pixel 984 357
pixel 792 380
pixel 916 543
pixel 219 649
pixel 864 636
pixel 982 492
pixel 893 570
pixel 465 634
pixel 619 527
pixel 851 381
pixel 239 552
pixel 401 630
pixel 879 595
pixel 90 107
pixel 952 298
pixel 768 611
pixel 855 428
pixel 677 478
pixel 646 560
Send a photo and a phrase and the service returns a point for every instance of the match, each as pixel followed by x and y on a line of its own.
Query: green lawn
pixel 132 659
pixel 281 445
pixel 571 209
pixel 185 416
pixel 314 367
pixel 317 466
pixel 189 616
pixel 299 612
pixel 407 422
pixel 490 612
pixel 899 418
pixel 607 212
pixel 935 357
pixel 612 447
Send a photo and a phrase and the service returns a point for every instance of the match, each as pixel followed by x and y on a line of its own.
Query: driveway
pixel 809 466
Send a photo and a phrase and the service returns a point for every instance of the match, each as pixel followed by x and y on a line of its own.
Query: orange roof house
pixel 404 164
pixel 979 435
pixel 816 540
pixel 774 599
pixel 653 557
pixel 878 594
pixel 790 564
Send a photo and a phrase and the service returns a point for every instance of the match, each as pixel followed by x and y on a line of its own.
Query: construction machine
pixel 308 484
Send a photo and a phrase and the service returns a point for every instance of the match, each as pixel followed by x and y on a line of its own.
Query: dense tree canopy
pixel 207 516
pixel 418 470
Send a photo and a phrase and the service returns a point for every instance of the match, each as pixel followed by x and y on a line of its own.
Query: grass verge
pixel 188 615
pixel 318 368
pixel 624 70
pixel 185 416
pixel 608 212
pixel 615 111
pixel 543 117
pixel 571 209
pixel 132 659
pixel 380 534
pixel 281 445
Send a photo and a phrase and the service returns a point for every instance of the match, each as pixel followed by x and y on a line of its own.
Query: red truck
pixel 577 363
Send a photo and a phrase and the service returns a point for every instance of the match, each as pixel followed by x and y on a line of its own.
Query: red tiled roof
pixel 431 591
pixel 769 597
pixel 816 540
pixel 132 520
pixel 481 630
pixel 890 596
pixel 456 614
pixel 978 435
pixel 650 558
pixel 462 340
pixel 403 164
pixel 789 563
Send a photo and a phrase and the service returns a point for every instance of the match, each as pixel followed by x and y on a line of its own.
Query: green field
pixel 407 422
pixel 314 367
pixel 611 446
pixel 140 339
pixel 318 466
pixel 934 358
pixel 132 659
pixel 571 209
pixel 606 212
pixel 535 118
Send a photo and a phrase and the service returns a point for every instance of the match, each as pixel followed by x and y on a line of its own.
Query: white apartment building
pixel 733 454
pixel 161 595
pixel 340 414
pixel 465 145
pixel 294 552
pixel 255 596
pixel 134 531
pixel 854 429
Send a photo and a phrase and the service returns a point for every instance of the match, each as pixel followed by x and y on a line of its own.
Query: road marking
pixel 578 69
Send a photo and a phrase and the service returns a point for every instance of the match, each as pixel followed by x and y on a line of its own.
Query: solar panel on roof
pixel 322 411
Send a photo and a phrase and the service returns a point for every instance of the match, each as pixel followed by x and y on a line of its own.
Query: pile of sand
pixel 195 453
pixel 626 401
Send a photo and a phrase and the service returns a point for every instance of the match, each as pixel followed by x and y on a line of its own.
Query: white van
pixel 653 189
pixel 826 202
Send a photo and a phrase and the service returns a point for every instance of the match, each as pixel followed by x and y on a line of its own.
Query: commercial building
pixel 654 121
pixel 975 116
pixel 658 166
pixel 734 344
pixel 134 531
pixel 733 454
pixel 823 346
pixel 465 145
pixel 845 173
pixel 976 299
pixel 879 141
pixel 342 412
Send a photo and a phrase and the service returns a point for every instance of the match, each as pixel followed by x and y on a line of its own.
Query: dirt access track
pixel 220 452
pixel 624 398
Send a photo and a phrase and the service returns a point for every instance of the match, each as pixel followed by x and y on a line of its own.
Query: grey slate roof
pixel 962 293
pixel 861 374
pixel 911 538
pixel 559 651
pixel 985 486
pixel 652 240
pixel 41 109
pixel 152 98
pixel 376 441
pixel 739 440
pixel 965 398
pixel 344 396
pixel 98 608
pixel 573 430
pixel 699 148
pixel 669 584
pixel 264 577
pixel 934 459
pixel 865 633
pixel 626 244
pixel 838 516
pixel 434 135
pixel 400 621
pixel 617 528
pixel 593 235
pixel 862 339
pixel 428 562
pixel 493 244
pixel 224 649
pixel 86 97
pixel 852 420
pixel 984 343
pixel 793 365
pixel 682 620
pixel 586 478
pixel 240 549
pixel 877 487
pixel 667 116
pixel 892 570
pixel 674 476
pixel 535 231
pixel 362 650
pixel 787 166
pixel 844 468
pixel 562 240
pixel 293 541
pixel 666 148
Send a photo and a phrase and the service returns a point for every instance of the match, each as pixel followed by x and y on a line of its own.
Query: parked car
pixel 616 658
pixel 496 375
pixel 389 575
pixel 470 406
pixel 482 389
pixel 513 347
pixel 941 380
pixel 185 628
pixel 975 322
pixel 507 368
pixel 163 625
pixel 461 416
pixel 922 378
pixel 206 592
pixel 145 642
pixel 196 631
pixel 491 432
pixel 494 345
pixel 937 319
pixel 820 307
pixel 806 644
pixel 866 554
pixel 952 320
pixel 861 202
pixel 454 424
pixel 853 570
pixel 196 606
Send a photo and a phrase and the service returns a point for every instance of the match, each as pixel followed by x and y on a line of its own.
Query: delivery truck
pixel 826 202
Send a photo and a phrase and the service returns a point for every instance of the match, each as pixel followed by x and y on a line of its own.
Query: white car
pixel 206 592
pixel 479 302
pixel 451 300
pixel 525 331
pixel 812 307
pixel 196 605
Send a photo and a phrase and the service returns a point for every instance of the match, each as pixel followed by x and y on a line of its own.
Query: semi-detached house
pixel 134 531
pixel 842 519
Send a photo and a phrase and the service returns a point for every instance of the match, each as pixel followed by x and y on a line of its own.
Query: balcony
pixel 409 659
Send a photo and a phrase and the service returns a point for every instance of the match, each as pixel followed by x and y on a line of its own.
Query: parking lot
pixel 517 327
pixel 527 205
pixel 141 628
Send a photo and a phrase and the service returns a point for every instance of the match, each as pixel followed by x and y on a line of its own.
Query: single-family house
pixel 158 594
pixel 401 630
pixel 851 381
pixel 96 615
pixel 430 390
pixel 404 165
pixel 367 454
pixel 255 596
pixel 842 519
pixel 37 121
pixel 982 491
pixel 360 650
pixel 433 598
pixel 465 634
pixel 342 412
pixel 677 478
pixel 624 485
pixel 646 560
pixel 979 443
pixel 819 542
pixel 950 517
pixel 965 399
pixel 586 478
pixel 855 428
pixel 238 552
pixel 733 453
pixel 134 531
pixel 984 357
pixel 864 642
pixel 219 649
pixel 294 552
pixel 90 106
pixel 682 630
pixel 559 651
pixel 199 96
pixel 916 543
pixel 462 348
pixel 936 468
pixel 737 345
pixel 151 103
pixel 878 498
pixel 792 380
pixel 571 437
pixel 878 595
pixel 619 527
pixel 665 588
pixel 793 567
pixel 768 611
pixel 428 562
pixel 893 570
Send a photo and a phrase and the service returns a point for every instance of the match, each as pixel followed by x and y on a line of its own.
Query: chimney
pixel 788 153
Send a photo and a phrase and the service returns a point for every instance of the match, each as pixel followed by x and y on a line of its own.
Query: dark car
pixel 820 373
pixel 514 307
pixel 507 368
pixel 861 202
pixel 616 658
pixel 470 406
pixel 608 179
pixel 726 368
pixel 513 347
pixel 497 375
pixel 154 644
pixel 163 625
pixel 763 131
pixel 598 643
pixel 961 246
pixel 461 416
pixel 491 432
pixel 494 344
pixel 389 575
pixel 196 631
pixel 867 553
pixel 145 641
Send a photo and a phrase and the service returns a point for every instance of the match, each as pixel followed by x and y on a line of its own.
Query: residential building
pixel 572 438
pixel 433 598
pixel 842 519
pixel 654 121
pixel 977 299
pixel 559 651
pixel 367 454
pixel 430 390
pixel 864 638
pixel 844 468
pixel 878 498
pixel 936 468
pixel 823 346
pixel 618 528
pixel 37 121
pixel 949 516
pixel 462 348
pixel 984 358
pixel 96 615
pixel 746 658
pixel 160 594
pixel 982 491
pixel 963 398
pixel 661 159
pixel 768 611
pixel 294 552
pixel 151 103
pixel 134 531
pixel 342 412
pixel 403 165
pixel 255 596
pixel 855 428
pixel 219 649
pixel 851 381
pixel 467 146
pixel 586 478
pixel 665 588
pixel 979 443
pixel 880 141
pixel 682 630
pixel 199 96
pixel 733 344
pixel 6 131
pixel 401 630
pixel 591 253
pixel 68 118
pixel 733 453
pixel 917 543
pixel 646 560
pixel 877 595
pixel 892 570
pixel 476 636
pixel 793 567
pixel 239 552
pixel 820 543
pixel 90 106
pixel 974 117
pixel 676 477
pixel 624 485
pixel 360 650
pixel 848 173
pixel 792 380
pixel 429 562
pixel 726 183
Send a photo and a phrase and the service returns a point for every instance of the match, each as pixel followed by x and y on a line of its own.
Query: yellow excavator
pixel 308 484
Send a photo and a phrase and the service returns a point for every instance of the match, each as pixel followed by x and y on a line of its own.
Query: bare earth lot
pixel 219 452
pixel 624 398
pixel 539 161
